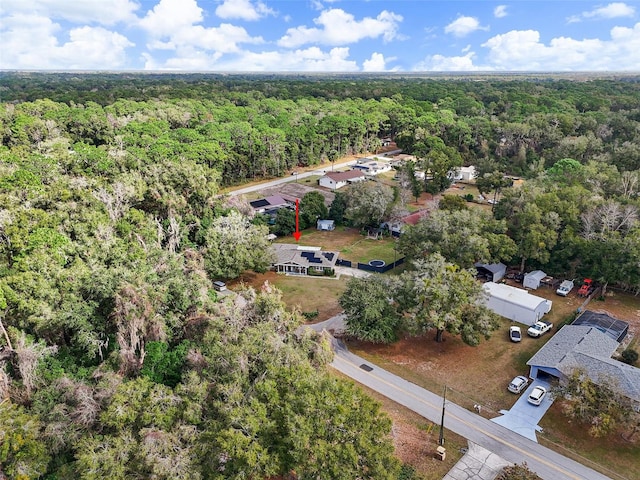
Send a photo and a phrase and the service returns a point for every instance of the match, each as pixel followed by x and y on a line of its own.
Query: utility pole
pixel 444 400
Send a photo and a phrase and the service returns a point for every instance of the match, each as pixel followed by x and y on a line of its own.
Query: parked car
pixel 537 395
pixel 539 328
pixel 564 288
pixel 518 384
pixel 515 334
pixel 586 288
pixel 219 286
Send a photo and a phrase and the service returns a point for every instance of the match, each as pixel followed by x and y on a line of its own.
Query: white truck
pixel 539 328
pixel 564 288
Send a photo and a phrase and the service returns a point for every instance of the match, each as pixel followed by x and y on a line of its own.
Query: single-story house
pixel 328 225
pixel 516 304
pixel 373 167
pixel 587 349
pixel 493 272
pixel 336 180
pixel 300 260
pixel 464 174
pixel 272 203
pixel 532 279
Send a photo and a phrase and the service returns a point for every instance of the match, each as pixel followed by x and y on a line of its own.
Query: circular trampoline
pixel 377 263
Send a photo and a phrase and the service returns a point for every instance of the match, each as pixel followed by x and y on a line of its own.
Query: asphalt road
pixel 509 445
pixel 279 181
pixel 318 171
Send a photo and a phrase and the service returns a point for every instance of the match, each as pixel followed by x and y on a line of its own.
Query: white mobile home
pixel 516 304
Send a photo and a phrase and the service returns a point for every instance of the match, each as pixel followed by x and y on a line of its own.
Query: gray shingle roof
pixel 290 254
pixel 590 350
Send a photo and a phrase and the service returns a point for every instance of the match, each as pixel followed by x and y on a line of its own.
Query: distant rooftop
pixel 345 176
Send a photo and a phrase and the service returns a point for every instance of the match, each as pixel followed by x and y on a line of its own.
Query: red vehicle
pixel 585 289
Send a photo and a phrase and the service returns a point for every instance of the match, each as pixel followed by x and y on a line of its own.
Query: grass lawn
pixel 350 243
pixel 612 455
pixel 307 294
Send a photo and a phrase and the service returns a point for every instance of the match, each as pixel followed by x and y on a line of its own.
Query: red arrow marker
pixel 297 233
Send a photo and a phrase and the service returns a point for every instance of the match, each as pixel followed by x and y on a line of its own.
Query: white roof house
pixel 336 180
pixel 373 167
pixel 464 174
pixel 516 304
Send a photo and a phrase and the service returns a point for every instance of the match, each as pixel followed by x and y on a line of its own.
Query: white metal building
pixel 532 279
pixel 516 304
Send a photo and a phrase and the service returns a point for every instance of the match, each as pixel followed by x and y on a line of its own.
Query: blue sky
pixel 319 35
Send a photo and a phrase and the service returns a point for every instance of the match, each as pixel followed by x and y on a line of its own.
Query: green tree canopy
pixel 234 245
pixel 371 312
pixel 368 203
pixel 462 237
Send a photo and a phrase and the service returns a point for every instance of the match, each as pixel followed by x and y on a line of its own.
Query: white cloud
pixel 522 50
pixel 337 27
pixel 463 26
pixel 613 10
pixel 243 9
pixel 172 25
pixel 440 63
pixel 500 11
pixel 30 42
pixel 311 59
pixel 377 63
pixel 169 16
pixel 187 59
pixel 103 12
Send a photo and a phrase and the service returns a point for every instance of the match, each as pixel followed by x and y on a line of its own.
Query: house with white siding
pixel 336 180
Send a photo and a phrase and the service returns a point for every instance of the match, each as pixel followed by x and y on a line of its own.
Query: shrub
pixel 517 472
pixel 629 356
pixel 407 472
pixel 310 315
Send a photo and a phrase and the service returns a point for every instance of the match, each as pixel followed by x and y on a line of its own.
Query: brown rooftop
pixel 344 176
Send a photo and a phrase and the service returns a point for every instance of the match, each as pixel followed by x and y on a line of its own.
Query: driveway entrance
pixel 523 417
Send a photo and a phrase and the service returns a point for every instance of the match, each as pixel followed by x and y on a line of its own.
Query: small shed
pixel 326 225
pixel 532 279
pixel 493 272
pixel 516 304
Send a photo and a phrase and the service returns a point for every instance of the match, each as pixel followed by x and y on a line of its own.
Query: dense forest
pixel 117 357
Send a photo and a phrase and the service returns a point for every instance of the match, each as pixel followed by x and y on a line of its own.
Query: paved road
pixel 318 171
pixel 279 181
pixel 509 445
pixel 515 448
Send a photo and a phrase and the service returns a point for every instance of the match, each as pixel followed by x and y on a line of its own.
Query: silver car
pixel 537 395
pixel 518 384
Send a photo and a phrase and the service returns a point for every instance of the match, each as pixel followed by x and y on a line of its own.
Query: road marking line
pixel 471 425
